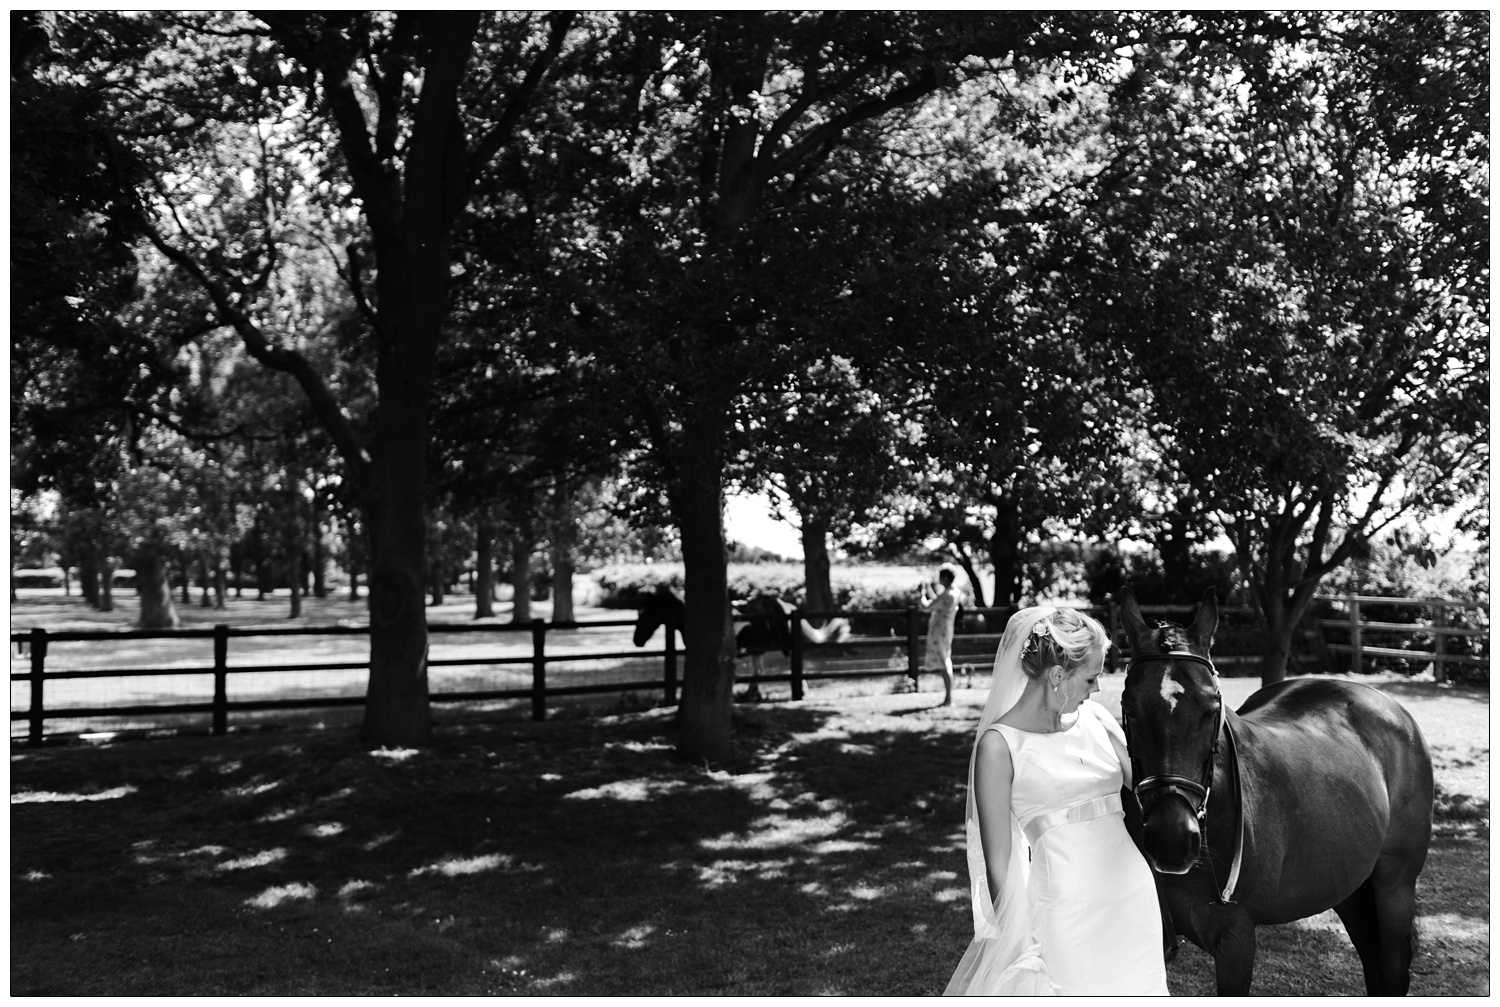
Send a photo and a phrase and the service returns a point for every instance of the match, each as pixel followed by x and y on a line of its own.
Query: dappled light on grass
pixel 51 797
pixel 262 859
pixel 573 858
pixel 1451 926
pixel 634 938
pixel 561 979
pixel 726 872
pixel 777 831
pixel 351 889
pixel 628 790
pixel 455 867
pixel 276 895
pixel 395 754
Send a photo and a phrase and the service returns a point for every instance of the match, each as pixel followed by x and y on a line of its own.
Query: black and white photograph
pixel 728 503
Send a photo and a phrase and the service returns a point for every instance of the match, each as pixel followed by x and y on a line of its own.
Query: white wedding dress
pixel 1090 907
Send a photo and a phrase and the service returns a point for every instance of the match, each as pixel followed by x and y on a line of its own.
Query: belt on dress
pixel 1097 807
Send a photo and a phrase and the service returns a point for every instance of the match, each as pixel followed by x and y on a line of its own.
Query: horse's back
pixel 1351 765
pixel 1336 711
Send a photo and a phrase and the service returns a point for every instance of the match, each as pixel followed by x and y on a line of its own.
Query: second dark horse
pixel 766 626
pixel 1315 794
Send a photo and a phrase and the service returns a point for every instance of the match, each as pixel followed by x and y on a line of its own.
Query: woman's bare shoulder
pixel 993 747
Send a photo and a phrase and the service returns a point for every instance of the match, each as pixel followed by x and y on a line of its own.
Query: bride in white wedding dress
pixel 1063 901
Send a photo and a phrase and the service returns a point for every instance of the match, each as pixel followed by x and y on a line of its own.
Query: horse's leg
pixel 1361 922
pixel 1395 911
pixel 1234 957
pixel 752 694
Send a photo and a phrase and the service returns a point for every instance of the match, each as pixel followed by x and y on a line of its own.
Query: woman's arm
pixel 1117 740
pixel 993 773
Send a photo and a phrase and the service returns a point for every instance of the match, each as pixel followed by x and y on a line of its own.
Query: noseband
pixel 1190 790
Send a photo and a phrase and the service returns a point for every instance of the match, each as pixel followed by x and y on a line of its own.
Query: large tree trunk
pixel 484 570
pixel 1005 554
pixel 1175 547
pixel 520 578
pixel 319 561
pixel 264 584
pixel 437 579
pixel 976 582
pixel 817 568
pixel 88 579
pixel 396 703
pixel 294 575
pixel 106 586
pixel 412 231
pixel 205 581
pixel 704 713
pixel 153 585
pixel 293 543
pixel 1283 608
pixel 221 588
pixel 236 566
pixel 563 533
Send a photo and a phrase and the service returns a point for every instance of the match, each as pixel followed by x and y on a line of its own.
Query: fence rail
pixel 975 646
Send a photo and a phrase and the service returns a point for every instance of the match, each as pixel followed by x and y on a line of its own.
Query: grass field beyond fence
pixel 579 857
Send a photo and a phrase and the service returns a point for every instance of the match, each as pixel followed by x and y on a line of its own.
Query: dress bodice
pixel 1052 772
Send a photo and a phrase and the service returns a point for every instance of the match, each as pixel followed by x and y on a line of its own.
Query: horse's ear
pixel 1135 624
pixel 1206 620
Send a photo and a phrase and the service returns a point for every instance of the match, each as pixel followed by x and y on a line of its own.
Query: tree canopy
pixel 979 280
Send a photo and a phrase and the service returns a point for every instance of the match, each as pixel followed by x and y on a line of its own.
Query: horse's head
pixel 661 606
pixel 1173 713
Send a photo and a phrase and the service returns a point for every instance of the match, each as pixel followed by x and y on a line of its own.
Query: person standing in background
pixel 942 611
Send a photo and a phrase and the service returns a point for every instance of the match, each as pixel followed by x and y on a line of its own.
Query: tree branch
pixel 325 407
pixel 492 141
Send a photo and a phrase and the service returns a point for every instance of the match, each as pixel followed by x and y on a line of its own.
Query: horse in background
pixel 767 627
pixel 662 607
pixel 1321 799
pixel 763 621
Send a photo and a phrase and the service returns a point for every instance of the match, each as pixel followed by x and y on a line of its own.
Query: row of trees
pixel 976 278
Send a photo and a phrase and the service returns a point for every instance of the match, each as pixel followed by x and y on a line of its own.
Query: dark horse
pixel 1321 798
pixel 767 626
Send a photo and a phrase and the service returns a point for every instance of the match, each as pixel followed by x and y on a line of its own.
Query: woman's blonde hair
pixel 1067 638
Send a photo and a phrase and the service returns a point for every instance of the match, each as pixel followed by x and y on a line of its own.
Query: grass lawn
pixel 577 857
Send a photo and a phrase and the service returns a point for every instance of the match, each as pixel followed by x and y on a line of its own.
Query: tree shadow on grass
pixel 575 858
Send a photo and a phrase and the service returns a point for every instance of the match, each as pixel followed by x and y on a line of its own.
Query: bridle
pixel 1190 790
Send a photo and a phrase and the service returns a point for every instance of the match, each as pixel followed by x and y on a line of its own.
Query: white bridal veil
pixel 1005 957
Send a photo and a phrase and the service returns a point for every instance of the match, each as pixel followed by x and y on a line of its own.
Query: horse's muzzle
pixel 1169 832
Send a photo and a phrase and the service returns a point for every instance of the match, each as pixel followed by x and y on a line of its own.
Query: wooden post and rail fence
pixel 37 642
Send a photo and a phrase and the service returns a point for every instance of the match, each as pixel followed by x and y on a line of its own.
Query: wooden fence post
pixel 669 680
pixel 1357 657
pixel 38 669
pixel 911 644
pixel 1440 642
pixel 538 670
pixel 796 638
pixel 221 676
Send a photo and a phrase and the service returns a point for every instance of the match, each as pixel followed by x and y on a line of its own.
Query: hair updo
pixel 1067 638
